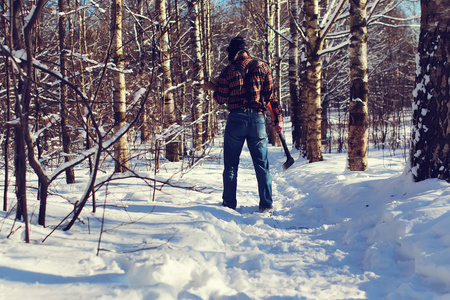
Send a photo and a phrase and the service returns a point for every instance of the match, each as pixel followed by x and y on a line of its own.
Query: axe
pixel 290 161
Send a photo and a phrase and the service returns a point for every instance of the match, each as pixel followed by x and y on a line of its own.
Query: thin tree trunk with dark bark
pixel 8 117
pixel 301 112
pixel 65 135
pixel 293 73
pixel 182 77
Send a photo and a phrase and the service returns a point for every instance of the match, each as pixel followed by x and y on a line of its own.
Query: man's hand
pixel 209 85
pixel 279 127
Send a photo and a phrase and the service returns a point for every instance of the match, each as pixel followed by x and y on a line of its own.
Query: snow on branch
pixel 394 25
pixel 97 6
pixel 174 87
pixel 332 20
pixel 32 16
pixel 97 65
pixel 335 48
pixel 327 14
pixel 274 30
pixel 396 18
pixel 137 97
pixel 66 13
pixel 337 35
pixel 81 156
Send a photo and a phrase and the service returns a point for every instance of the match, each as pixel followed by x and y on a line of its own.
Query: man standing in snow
pixel 246 87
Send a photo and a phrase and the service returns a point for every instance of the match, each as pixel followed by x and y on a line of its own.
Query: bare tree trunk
pixel 65 136
pixel 277 5
pixel 182 77
pixel 313 107
pixel 21 177
pixel 430 150
pixel 169 104
pixel 324 124
pixel 8 117
pixel 324 5
pixel 269 34
pixel 6 146
pixel 269 51
pixel 358 125
pixel 207 62
pixel 197 73
pixel 302 113
pixel 293 73
pixel 144 122
pixel 82 41
pixel 119 90
pixel 20 163
pixel 22 36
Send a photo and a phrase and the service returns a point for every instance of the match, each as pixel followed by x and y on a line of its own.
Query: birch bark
pixel 359 88
pixel 172 153
pixel 121 154
pixel 197 73
pixel 313 89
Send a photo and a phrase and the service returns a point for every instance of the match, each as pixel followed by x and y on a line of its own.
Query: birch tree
pixel 430 149
pixel 197 73
pixel 272 55
pixel 278 64
pixel 121 154
pixel 313 89
pixel 209 124
pixel 169 104
pixel 180 74
pixel 359 91
pixel 295 105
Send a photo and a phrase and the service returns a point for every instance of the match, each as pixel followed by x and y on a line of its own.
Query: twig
pixel 74 207
pixel 137 250
pixel 13 231
pixel 274 30
pixel 103 220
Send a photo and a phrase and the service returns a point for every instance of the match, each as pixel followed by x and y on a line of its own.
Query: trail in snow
pixel 334 235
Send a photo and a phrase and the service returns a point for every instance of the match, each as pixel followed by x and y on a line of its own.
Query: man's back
pixel 231 89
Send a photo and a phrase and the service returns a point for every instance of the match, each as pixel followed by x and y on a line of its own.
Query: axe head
pixel 289 162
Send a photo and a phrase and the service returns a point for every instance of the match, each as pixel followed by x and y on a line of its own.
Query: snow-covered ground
pixel 335 234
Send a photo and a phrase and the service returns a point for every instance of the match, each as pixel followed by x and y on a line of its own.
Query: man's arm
pixel 221 92
pixel 269 94
pixel 210 85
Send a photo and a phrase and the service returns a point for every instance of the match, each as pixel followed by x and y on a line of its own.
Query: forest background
pixel 87 81
pixel 107 99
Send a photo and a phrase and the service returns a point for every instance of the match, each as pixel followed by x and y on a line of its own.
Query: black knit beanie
pixel 236 44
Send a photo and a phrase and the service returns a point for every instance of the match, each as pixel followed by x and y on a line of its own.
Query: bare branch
pixel 335 48
pixel 274 30
pixel 332 21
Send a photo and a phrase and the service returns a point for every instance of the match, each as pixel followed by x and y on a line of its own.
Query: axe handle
pixel 286 150
pixel 285 147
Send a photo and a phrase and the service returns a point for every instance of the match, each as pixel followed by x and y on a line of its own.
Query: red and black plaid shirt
pixel 231 90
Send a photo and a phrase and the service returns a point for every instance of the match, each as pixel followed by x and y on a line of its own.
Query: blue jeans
pixel 250 126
